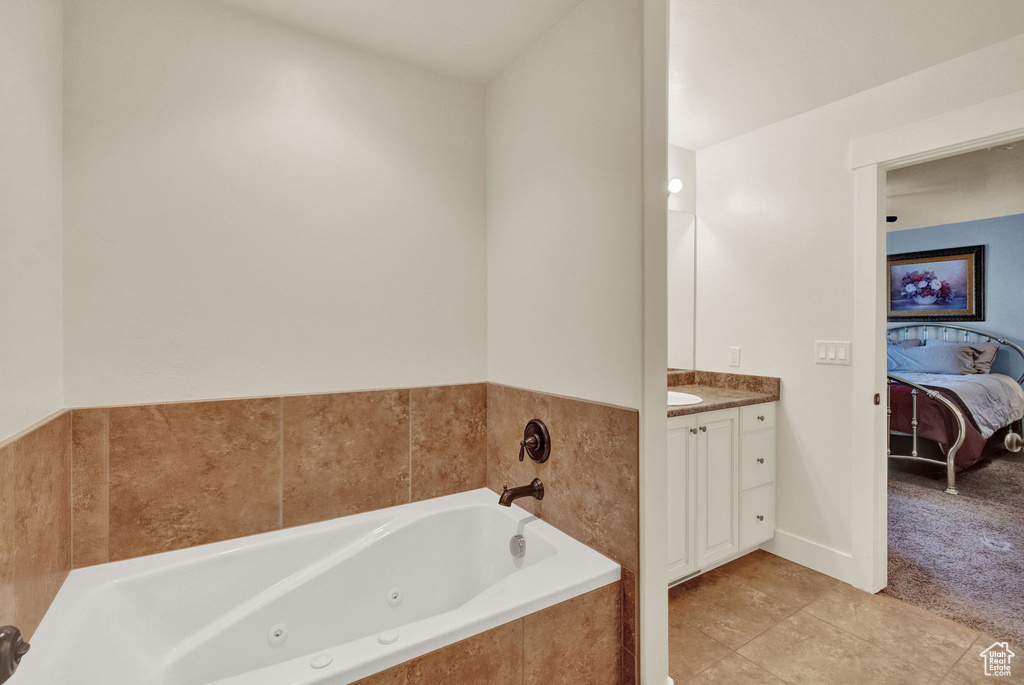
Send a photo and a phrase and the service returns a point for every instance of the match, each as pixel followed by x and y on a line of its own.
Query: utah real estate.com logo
pixel 997 659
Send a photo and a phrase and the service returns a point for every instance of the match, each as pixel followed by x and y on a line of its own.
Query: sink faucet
pixel 534 489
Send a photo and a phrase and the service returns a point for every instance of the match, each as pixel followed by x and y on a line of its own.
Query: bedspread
pixel 988 401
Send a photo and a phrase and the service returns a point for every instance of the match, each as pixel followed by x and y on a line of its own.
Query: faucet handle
pixel 527 443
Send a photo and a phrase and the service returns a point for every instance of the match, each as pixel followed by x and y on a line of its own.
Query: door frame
pixel 977 127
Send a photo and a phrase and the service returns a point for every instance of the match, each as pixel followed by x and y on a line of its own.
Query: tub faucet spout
pixel 534 489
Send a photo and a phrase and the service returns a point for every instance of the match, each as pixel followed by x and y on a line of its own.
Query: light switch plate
pixel 734 356
pixel 836 352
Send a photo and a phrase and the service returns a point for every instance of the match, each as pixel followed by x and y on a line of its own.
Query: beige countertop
pixel 722 390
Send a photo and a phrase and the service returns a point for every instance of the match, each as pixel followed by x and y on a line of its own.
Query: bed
pixel 957 402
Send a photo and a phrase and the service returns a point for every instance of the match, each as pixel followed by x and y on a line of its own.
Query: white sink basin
pixel 681 399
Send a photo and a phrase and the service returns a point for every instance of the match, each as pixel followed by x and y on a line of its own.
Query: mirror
pixel 682 244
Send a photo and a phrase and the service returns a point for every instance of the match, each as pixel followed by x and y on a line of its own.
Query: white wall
pixel 564 210
pixel 977 185
pixel 31 328
pixel 254 210
pixel 774 273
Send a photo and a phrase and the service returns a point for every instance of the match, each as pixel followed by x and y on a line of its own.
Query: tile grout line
pixel 784 618
pixel 741 581
pixel 71 489
pixel 280 480
pixel 803 610
pixel 877 645
pixel 738 580
pixel 522 652
pixel 717 642
pixel 713 663
pixel 487 435
pixel 106 485
pixel 960 658
pixel 409 400
pixel 766 670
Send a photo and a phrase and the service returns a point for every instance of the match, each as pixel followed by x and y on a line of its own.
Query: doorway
pixel 956 478
pixel 989 124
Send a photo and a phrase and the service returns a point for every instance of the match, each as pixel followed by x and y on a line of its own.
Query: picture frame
pixel 937 285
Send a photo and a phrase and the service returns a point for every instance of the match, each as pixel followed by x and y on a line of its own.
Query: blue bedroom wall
pixel 1004 269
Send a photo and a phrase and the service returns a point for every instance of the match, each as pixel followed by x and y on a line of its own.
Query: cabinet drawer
pixel 757 459
pixel 757 417
pixel 757 516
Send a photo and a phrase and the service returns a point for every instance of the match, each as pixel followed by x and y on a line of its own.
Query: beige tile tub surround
pixel 344 454
pixel 35 521
pixel 591 480
pixel 190 474
pixel 448 434
pixel 198 472
pixel 575 642
pixel 154 478
pixel 90 485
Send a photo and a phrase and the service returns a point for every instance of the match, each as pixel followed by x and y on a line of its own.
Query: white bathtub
pixel 363 592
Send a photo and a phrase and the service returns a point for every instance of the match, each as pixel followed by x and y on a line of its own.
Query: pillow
pixel 984 353
pixel 907 342
pixel 948 359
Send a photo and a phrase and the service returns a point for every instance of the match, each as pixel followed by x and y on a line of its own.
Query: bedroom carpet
pixel 961 556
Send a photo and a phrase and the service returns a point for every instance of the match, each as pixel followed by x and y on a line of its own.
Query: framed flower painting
pixel 938 285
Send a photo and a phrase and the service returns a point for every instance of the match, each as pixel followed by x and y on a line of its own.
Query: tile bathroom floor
pixel 764 620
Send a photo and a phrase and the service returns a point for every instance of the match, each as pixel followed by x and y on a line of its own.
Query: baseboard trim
pixel 813 555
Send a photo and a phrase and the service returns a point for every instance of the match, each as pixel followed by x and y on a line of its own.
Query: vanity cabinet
pixel 682 495
pixel 717 486
pixel 721 486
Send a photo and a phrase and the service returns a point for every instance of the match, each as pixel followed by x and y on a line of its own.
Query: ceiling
pixel 739 65
pixel 471 40
pixel 967 187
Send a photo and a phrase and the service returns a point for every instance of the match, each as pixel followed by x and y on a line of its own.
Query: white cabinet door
pixel 717 485
pixel 757 516
pixel 682 491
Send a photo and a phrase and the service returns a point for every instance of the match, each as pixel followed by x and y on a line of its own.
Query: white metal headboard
pixel 941 331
